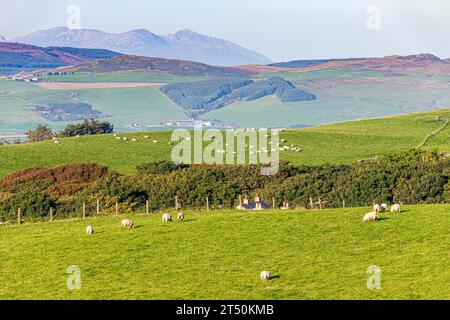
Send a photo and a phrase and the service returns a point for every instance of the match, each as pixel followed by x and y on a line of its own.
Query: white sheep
pixel 134 140
pixel 89 230
pixel 167 217
pixel 395 208
pixel 155 141
pixel 383 207
pixel 180 216
pixel 376 208
pixel 371 216
pixel 265 275
pixel 127 224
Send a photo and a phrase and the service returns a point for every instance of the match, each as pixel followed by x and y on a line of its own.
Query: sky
pixel 280 29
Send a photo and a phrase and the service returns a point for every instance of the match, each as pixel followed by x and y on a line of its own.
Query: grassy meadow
pixel 333 144
pixel 220 254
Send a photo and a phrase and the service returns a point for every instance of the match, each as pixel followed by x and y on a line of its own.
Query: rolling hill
pixel 182 45
pixel 126 63
pixel 334 144
pixel 389 65
pixel 16 57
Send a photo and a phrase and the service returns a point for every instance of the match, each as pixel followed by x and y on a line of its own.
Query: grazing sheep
pixel 118 138
pixel 383 207
pixel 167 217
pixel 395 208
pixel 127 224
pixel 89 230
pixel 56 141
pixel 180 216
pixel 134 140
pixel 376 208
pixel 371 216
pixel 265 275
pixel 155 141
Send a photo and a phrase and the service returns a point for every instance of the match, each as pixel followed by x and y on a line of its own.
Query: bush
pixel 40 133
pixel 160 167
pixel 410 178
pixel 87 127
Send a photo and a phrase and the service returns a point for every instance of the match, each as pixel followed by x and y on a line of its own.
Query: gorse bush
pixel 414 177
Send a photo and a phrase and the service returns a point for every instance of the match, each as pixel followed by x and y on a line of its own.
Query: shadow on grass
pixel 275 277
pixel 383 218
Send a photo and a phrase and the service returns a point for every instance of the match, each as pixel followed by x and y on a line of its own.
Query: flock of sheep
pixel 265 275
pixel 373 216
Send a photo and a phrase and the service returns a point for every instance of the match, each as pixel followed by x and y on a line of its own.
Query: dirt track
pixel 93 85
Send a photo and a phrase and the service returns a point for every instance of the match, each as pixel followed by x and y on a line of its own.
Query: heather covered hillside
pixel 16 57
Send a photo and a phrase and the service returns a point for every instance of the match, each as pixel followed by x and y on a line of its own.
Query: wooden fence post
pixel 273 203
pixel 146 207
pixel 98 207
pixel 176 203
pixel 207 203
pixel 343 204
pixel 117 208
pixel 240 201
pixel 320 203
pixel 51 214
pixel 84 210
pixel 311 204
pixel 19 221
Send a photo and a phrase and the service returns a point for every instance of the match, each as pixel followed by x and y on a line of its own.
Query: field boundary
pixel 432 134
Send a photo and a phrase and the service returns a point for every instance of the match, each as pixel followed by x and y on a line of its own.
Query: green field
pixel 334 144
pixel 341 96
pixel 312 255
pixel 142 107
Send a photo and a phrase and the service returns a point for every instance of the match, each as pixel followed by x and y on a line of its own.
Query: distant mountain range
pixel 184 45
pixel 16 57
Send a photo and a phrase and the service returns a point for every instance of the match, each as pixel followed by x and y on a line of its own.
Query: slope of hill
pixel 156 65
pixel 336 143
pixel 325 255
pixel 305 63
pixel 183 45
pixel 18 57
pixel 203 96
pixel 92 54
pixel 389 65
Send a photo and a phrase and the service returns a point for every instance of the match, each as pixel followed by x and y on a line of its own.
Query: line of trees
pixel 410 178
pixel 87 127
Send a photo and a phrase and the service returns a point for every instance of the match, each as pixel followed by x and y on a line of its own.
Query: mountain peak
pixel 184 44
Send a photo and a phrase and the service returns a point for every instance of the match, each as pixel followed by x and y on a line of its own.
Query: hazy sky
pixel 280 29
